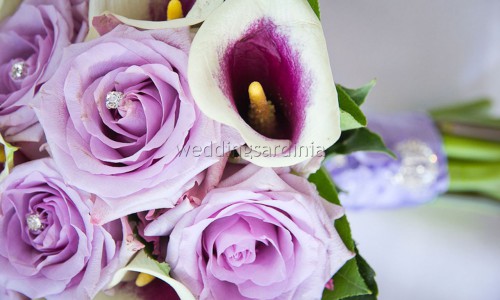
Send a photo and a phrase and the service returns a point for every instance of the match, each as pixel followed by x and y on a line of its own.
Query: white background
pixel 424 53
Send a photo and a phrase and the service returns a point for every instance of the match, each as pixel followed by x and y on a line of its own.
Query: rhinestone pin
pixel 113 99
pixel 34 222
pixel 19 70
pixel 419 164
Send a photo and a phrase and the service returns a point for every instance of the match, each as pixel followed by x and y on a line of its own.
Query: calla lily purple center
pixel 263 55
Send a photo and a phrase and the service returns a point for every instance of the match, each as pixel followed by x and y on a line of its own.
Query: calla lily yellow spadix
pixel 281 45
pixel 262 113
pixel 144 279
pixel 2 155
pixel 138 14
pixel 174 10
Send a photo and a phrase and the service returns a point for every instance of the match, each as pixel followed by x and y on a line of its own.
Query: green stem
pixel 471 149
pixel 476 177
pixel 480 106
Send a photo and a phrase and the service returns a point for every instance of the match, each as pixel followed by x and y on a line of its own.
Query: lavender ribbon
pixel 375 180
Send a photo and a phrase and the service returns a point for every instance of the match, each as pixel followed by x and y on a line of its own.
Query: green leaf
pixel 327 190
pixel 349 280
pixel 368 273
pixel 325 186
pixel 144 261
pixel 315 6
pixel 359 95
pixel 361 139
pixel 351 117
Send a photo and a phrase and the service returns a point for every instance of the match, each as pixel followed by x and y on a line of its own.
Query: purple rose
pixel 32 42
pixel 119 118
pixel 258 235
pixel 48 245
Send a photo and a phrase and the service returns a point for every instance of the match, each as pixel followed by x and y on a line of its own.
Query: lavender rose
pixel 119 116
pixel 48 246
pixel 258 235
pixel 33 40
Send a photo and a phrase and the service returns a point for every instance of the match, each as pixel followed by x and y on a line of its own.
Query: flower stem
pixel 471 149
pixel 475 177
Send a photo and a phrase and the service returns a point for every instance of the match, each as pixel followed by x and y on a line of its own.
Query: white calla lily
pixel 8 7
pixel 143 264
pixel 138 13
pixel 281 45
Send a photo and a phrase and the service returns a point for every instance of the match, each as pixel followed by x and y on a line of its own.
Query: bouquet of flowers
pixel 170 149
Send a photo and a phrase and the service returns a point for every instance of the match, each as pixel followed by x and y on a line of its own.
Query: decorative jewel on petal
pixel 285 52
pixel 419 164
pixel 34 222
pixel 113 99
pixel 19 70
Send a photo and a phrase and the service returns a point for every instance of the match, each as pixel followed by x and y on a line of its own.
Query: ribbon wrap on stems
pixel 376 180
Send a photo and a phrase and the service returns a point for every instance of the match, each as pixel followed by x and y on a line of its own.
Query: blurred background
pixel 424 54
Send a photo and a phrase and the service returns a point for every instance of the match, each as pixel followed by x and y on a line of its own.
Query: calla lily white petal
pixel 281 44
pixel 143 264
pixel 8 7
pixel 137 14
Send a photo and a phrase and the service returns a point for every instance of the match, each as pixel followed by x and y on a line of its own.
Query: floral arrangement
pixel 172 150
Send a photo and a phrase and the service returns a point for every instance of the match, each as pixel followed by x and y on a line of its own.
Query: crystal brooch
pixel 34 222
pixel 19 70
pixel 418 164
pixel 113 99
